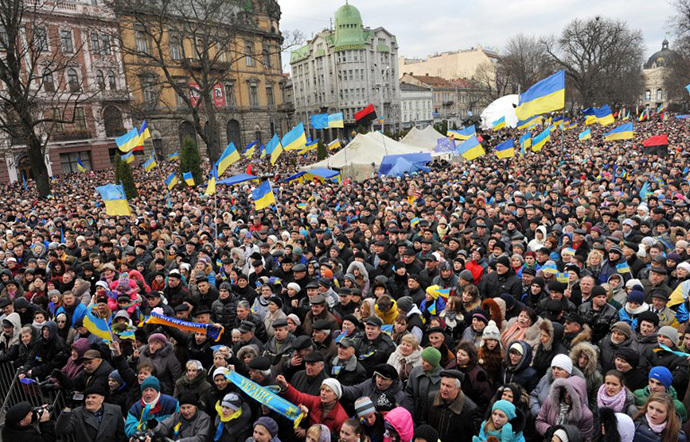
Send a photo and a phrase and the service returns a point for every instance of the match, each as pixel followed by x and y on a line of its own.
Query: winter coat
pixel 387 399
pixel 593 377
pixel 642 394
pixel 677 364
pixel 544 354
pixel 457 421
pixel 401 422
pixel 579 414
pixel 531 335
pixel 83 425
pixel 419 387
pixel 522 373
pixel 306 384
pixel 198 429
pixel 47 354
pixel 137 415
pixel 476 385
pixel 168 368
pixel 334 420
pixel 405 364
pixel 493 285
pixel 599 320
pixel 607 351
pixel 8 341
pixel 539 395
pixel 199 386
pixel 373 353
pixel 29 433
pixel 645 434
pixel 349 372
pixel 236 429
pixel 646 345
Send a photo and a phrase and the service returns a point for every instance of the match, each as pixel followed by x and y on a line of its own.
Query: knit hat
pixel 160 337
pixel 232 400
pixel 628 355
pixel 17 412
pixel 517 347
pixel 405 304
pixel 636 296
pixel 661 374
pixel 151 382
pixel 334 385
pixel 115 375
pixel 466 275
pixel 364 407
pixel 561 435
pixel 293 317
pixel 188 397
pixel 294 286
pixel 269 424
pixel 426 432
pixel 626 427
pixel 219 371
pixel 562 361
pixel 491 332
pixel 669 332
pixel 432 356
pixel 623 328
pixel 507 407
pixel 503 260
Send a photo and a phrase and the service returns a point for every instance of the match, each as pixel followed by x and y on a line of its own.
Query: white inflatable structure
pixel 502 107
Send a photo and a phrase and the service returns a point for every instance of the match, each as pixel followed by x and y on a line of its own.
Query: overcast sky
pixel 424 27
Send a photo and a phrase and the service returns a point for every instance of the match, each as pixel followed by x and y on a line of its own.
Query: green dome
pixel 348 28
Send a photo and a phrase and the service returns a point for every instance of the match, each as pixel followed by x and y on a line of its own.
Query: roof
pixel 408 87
pixel 463 84
pixel 349 32
pixel 660 58
pixel 434 81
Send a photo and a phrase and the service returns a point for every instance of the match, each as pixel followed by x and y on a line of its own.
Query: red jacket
pixel 334 419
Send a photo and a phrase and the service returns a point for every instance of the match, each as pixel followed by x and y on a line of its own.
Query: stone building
pixel 416 105
pixel 453 100
pixel 450 65
pixel 654 72
pixel 347 68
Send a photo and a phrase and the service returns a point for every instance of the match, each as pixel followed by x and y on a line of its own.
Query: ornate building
pixel 346 69
pixel 654 72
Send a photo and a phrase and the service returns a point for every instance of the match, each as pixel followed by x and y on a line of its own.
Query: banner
pixel 219 95
pixel 194 93
pixel 266 397
pixel 445 144
pixel 211 331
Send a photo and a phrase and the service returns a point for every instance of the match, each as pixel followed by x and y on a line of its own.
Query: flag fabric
pixel 311 145
pixel 211 185
pixel 366 115
pixel 471 148
pixel 623 267
pixel 295 139
pixel 334 144
pixel 687 88
pixel 644 191
pixel 585 135
pixel 128 157
pixel 623 132
pixel 319 121
pixel 213 332
pixel 656 140
pixel 128 141
pixel 526 141
pixel 144 134
pixel 229 156
pixel 262 151
pixel 506 149
pixel 274 148
pixel 336 120
pixel 499 124
pixel 97 326
pixel 529 122
pixel 150 163
pixel 171 181
pixel 81 167
pixel 188 178
pixel 541 139
pixel 547 95
pixel 115 200
pixel 604 115
pixel 250 149
pixel 263 196
pixel 24 182
pixel 174 156
pixel 462 134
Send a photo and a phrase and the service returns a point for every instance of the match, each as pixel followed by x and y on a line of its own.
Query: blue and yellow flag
pixel 563 277
pixel 251 148
pixel 623 268
pixel 529 122
pixel 115 200
pixel 471 148
pixel 174 156
pixel 547 95
pixel 211 185
pixel 274 148
pixel 506 149
pixel 128 141
pixel 541 139
pixel 336 120
pixel 319 121
pixel 295 139
pixel 97 326
pixel 585 135
pixel 171 181
pixel 604 115
pixel 229 156
pixel 623 132
pixel 499 124
pixel 462 134
pixel 525 143
pixel 144 134
pixel 150 163
pixel 334 144
pixel 80 166
pixel 262 151
pixel 213 332
pixel 188 178
pixel 128 157
pixel 263 196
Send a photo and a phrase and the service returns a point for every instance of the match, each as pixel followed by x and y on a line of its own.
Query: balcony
pixel 72 136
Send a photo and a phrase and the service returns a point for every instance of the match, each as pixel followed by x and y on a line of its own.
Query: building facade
pixel 346 69
pixel 450 65
pixel 88 90
pixel 654 72
pixel 417 106
pixel 243 64
pixel 452 100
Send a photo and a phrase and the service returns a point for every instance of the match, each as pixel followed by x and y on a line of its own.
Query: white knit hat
pixel 564 362
pixel 491 332
pixel 334 385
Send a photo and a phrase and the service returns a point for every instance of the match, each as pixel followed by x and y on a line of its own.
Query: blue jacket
pixel 79 313
pixel 137 416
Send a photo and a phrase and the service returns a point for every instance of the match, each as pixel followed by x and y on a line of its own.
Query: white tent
pixel 426 138
pixel 361 157
pixel 502 107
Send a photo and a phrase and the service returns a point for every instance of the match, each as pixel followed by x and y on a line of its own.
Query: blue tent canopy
pixel 324 173
pixel 237 179
pixel 412 162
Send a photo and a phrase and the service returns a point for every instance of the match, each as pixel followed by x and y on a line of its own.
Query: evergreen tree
pixel 123 174
pixel 189 160
pixel 321 151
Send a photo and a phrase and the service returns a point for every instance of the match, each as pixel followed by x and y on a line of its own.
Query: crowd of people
pixel 542 297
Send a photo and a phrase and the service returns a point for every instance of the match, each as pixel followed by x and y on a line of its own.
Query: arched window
pixel 72 80
pixel 186 129
pixel 659 94
pixel 112 82
pixel 112 118
pixel 234 132
pixel 266 58
pixel 48 83
pixel 100 80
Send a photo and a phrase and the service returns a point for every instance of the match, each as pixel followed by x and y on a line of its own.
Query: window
pixel 41 38
pixel 105 44
pixel 180 101
pixel 270 98
pixel 267 58
pixel 48 83
pixel 95 43
pixel 73 80
pixel 175 50
pixel 55 114
pixel 647 95
pixel 230 97
pixel 66 41
pixel 141 42
pixel 79 120
pixel 148 85
pixel 68 161
pixel 112 81
pixel 659 94
pixel 253 94
pixel 100 80
pixel 249 54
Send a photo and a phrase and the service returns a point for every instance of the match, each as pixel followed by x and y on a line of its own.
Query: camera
pixel 140 436
pixel 37 412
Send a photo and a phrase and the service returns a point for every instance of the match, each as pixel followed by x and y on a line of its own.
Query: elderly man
pixel 96 420
pixel 309 380
pixel 454 415
pixel 345 367
pixel 95 373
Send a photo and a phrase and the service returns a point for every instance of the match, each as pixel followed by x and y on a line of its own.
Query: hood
pixel 526 356
pixel 414 311
pixel 590 351
pixel 541 229
pixel 81 345
pixel 16 322
pixel 21 302
pixel 52 328
pixel 575 387
pixel 547 326
pixel 401 420
pixel 362 269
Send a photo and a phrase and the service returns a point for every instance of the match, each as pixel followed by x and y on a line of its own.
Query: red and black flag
pixel 366 115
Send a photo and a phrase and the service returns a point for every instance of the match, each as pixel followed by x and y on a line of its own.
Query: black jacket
pixel 29 434
pixel 457 421
pixel 83 425
pixel 493 284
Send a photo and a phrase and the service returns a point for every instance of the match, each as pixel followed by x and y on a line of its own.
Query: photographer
pixel 95 420
pixel 25 424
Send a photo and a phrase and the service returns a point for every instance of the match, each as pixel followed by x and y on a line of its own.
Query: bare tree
pixel 41 88
pixel 602 59
pixel 679 64
pixel 524 63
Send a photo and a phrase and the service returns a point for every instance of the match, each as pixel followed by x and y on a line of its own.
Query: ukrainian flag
pixel 174 156
pixel 171 180
pixel 604 115
pixel 336 120
pixel 506 149
pixel 128 157
pixel 251 148
pixel 211 185
pixel 311 145
pixel 623 268
pixel 229 156
pixel 80 166
pixel 128 141
pixel 585 135
pixel 188 178
pixel 471 148
pixel 541 139
pixel 563 277
pixel 144 134
pixel 547 95
pixel 525 141
pixel 115 200
pixel 97 326
pixel 319 121
pixel 624 132
pixel 499 124
pixel 150 163
pixel 274 148
pixel 295 139
pixel 263 196
pixel 529 122
pixel 462 134
pixel 262 151
pixel 334 144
